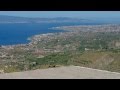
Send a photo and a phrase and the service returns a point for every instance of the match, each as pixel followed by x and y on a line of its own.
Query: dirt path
pixel 70 72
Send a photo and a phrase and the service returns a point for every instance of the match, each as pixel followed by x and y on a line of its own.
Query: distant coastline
pixel 41 29
pixel 30 39
pixel 12 34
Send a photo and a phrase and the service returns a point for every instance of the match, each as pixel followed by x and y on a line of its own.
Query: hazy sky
pixel 81 14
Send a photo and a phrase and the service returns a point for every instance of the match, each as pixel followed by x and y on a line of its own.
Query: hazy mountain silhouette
pixel 14 19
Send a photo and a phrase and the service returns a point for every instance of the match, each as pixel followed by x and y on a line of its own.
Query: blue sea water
pixel 11 34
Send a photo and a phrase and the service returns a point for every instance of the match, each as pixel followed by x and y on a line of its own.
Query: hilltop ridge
pixel 71 72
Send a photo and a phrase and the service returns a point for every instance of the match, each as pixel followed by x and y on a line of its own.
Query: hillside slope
pixel 71 72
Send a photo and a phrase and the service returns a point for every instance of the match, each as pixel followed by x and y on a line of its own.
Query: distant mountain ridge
pixel 15 19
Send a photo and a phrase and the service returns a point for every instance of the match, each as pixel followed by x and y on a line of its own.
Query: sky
pixel 52 14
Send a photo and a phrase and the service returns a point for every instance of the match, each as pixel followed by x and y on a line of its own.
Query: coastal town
pixel 71 47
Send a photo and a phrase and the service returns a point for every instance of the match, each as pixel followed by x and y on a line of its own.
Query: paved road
pixel 70 72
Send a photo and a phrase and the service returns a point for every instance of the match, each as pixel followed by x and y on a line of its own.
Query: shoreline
pixel 49 34
pixel 30 39
pixel 36 35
